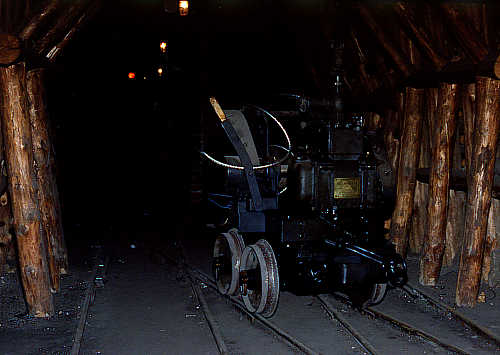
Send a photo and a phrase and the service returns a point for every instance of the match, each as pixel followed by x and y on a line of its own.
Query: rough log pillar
pixel 48 195
pixel 469 109
pixel 431 258
pixel 391 140
pixel 419 218
pixel 490 261
pixel 7 252
pixel 479 191
pixel 407 169
pixel 454 226
pixel 22 185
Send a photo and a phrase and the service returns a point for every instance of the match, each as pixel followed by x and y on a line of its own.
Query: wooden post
pixel 419 218
pixel 48 195
pixel 454 226
pixel 407 169
pixel 479 191
pixel 488 271
pixel 22 185
pixel 392 139
pixel 431 258
pixel 469 109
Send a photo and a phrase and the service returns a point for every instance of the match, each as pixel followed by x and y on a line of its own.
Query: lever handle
pixel 218 109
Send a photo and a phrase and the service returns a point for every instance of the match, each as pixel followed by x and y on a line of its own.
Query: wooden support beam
pixel 22 185
pixel 368 83
pixel 48 195
pixel 469 110
pixel 10 49
pixel 64 23
pixel 407 169
pixel 38 20
pixel 419 35
pixel 419 218
pixel 469 39
pixel 454 226
pixel 384 41
pixel 391 141
pixel 431 258
pixel 485 140
pixel 489 272
pixel 54 52
pixel 7 252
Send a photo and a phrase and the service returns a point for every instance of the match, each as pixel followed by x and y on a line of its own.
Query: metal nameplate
pixel 347 188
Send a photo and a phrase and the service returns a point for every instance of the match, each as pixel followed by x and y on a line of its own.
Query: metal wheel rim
pixel 266 261
pixel 378 294
pixel 236 245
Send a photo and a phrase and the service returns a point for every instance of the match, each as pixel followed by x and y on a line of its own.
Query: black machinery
pixel 309 222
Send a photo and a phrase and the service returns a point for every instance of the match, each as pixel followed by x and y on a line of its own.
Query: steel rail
pixel 409 329
pixel 212 324
pixel 333 313
pixel 96 280
pixel 480 330
pixel 284 335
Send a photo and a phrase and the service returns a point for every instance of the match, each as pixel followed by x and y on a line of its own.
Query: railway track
pixel 407 321
pixel 420 327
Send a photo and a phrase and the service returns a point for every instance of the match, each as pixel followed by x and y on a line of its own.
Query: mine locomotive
pixel 309 219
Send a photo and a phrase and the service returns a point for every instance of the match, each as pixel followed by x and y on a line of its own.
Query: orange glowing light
pixel 163 46
pixel 160 71
pixel 183 7
pixel 131 75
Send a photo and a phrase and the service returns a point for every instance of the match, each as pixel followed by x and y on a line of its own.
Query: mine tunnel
pixel 249 177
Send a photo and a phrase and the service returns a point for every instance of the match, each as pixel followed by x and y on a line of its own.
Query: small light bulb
pixel 163 46
pixel 160 71
pixel 183 7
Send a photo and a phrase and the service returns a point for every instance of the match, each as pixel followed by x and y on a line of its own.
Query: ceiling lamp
pixel 183 7
pixel 163 46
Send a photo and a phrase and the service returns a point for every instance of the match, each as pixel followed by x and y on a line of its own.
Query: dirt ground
pixel 147 306
pixel 21 334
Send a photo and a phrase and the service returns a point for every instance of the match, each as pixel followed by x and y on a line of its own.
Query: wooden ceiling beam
pixel 38 20
pixel 468 38
pixel 54 52
pixel 420 36
pixel 10 49
pixel 60 28
pixel 398 58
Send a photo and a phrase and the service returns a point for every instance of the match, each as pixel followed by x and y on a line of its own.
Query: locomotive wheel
pixel 228 249
pixel 261 288
pixel 377 294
